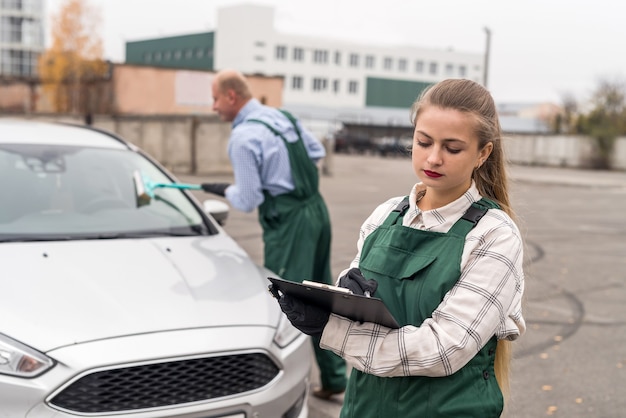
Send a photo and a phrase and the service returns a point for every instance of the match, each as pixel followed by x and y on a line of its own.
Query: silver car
pixel 118 303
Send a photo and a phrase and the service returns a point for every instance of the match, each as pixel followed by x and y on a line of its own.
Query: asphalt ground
pixel 571 362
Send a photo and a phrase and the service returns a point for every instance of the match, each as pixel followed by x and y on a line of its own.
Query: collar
pixel 442 216
pixel 246 110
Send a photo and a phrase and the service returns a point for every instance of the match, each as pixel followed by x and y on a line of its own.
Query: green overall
pixel 297 237
pixel 414 270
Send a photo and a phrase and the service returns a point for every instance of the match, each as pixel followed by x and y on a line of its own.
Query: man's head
pixel 230 93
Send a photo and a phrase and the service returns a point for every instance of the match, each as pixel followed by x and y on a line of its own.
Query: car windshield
pixel 52 192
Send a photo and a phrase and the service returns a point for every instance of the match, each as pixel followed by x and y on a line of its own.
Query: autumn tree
pixel 74 60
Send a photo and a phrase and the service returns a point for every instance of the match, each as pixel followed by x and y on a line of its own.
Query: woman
pixel 447 262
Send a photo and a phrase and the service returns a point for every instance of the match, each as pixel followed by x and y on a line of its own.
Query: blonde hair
pixel 491 177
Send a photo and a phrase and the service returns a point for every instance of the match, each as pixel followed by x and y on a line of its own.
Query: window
pixel 259 58
pixel 337 57
pixel 353 87
pixel 320 84
pixel 298 54
pixel 296 82
pixel 354 60
pixel 188 54
pixel 462 71
pixel 336 85
pixel 281 52
pixel 177 55
pixel 199 53
pixel 167 55
pixel 320 56
pixel 388 63
pixel 432 68
pixel 419 66
pixel 449 69
pixel 259 44
pixel 402 64
pixel 157 56
pixel 369 61
pixel 147 56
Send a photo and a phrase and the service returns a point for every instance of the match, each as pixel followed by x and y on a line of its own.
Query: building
pixel 324 78
pixel 21 38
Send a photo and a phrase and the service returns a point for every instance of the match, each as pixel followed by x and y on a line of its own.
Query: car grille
pixel 164 384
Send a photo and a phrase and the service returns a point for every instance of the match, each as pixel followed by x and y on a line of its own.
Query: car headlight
pixel 19 360
pixel 285 332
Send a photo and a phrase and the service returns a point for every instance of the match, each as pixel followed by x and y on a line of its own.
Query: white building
pixel 325 79
pixel 21 37
pixel 328 77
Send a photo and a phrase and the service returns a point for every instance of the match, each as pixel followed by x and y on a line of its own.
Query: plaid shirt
pixel 486 300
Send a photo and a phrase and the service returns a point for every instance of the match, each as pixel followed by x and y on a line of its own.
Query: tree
pixel 606 120
pixel 74 59
pixel 566 120
pixel 603 118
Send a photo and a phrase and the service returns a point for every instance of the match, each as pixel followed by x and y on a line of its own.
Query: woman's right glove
pixel 359 285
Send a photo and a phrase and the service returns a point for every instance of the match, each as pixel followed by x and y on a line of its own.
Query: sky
pixel 540 50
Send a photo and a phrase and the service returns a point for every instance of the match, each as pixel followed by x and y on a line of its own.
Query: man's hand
pixel 215 188
pixel 358 284
pixel 309 319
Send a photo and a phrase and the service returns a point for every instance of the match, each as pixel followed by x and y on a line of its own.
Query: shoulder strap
pixel 398 212
pixel 288 115
pixel 472 215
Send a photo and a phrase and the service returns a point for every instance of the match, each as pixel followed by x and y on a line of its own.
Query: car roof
pixel 26 131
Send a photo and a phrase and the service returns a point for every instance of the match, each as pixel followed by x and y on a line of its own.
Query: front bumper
pixel 31 398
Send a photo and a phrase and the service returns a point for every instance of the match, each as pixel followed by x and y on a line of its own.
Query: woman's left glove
pixel 309 319
pixel 359 285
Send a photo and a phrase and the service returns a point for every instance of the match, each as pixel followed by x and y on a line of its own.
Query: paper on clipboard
pixel 356 307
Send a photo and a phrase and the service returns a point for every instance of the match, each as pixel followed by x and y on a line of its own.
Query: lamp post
pixel 487 47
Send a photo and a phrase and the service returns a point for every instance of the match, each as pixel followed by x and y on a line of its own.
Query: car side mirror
pixel 217 209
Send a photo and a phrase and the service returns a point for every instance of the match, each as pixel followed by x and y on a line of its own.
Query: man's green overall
pixel 414 270
pixel 297 238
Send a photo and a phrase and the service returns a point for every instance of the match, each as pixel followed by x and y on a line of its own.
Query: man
pixel 274 163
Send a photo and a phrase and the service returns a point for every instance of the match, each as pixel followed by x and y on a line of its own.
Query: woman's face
pixel 445 151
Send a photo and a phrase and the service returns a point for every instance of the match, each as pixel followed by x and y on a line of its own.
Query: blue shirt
pixel 259 158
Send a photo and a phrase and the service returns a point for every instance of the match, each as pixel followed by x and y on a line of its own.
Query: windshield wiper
pixel 193 230
pixel 21 238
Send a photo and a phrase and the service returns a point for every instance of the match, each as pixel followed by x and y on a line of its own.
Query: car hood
pixel 60 293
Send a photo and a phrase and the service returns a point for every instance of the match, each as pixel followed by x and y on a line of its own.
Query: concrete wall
pixel 560 151
pixel 198 144
pixel 183 144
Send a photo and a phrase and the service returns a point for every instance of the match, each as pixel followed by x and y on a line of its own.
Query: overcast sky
pixel 540 49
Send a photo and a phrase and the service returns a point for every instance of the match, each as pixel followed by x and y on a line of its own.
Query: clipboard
pixel 356 307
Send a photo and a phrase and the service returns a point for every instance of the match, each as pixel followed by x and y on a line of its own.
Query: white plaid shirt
pixel 486 300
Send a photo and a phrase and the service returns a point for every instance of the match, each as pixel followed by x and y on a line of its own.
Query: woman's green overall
pixel 414 270
pixel 297 238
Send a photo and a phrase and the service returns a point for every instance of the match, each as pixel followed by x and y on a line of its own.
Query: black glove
pixel 358 284
pixel 215 188
pixel 309 319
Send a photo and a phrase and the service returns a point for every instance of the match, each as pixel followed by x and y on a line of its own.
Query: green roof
pixel 193 51
pixel 385 92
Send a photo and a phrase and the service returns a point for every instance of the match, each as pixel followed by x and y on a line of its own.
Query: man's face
pixel 224 103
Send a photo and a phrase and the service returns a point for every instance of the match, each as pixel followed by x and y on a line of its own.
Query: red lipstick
pixel 432 174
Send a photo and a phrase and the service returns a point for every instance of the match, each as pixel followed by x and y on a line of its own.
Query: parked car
pixel 115 306
pixel 390 146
